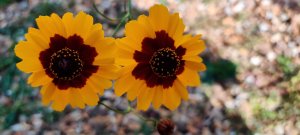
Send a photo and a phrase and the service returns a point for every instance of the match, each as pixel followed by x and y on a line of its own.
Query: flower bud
pixel 165 127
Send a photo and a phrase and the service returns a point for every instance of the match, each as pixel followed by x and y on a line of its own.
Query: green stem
pixel 128 110
pixel 129 4
pixel 154 121
pixel 102 14
pixel 123 21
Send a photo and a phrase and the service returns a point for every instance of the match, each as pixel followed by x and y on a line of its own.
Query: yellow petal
pixel 144 22
pixel 175 26
pixel 35 37
pixel 95 35
pixel 134 89
pixel 104 83
pixel 145 97
pixel 39 78
pixel 76 99
pixel 47 93
pixel 182 39
pixel 196 59
pixel 30 65
pixel 135 32
pixel 125 82
pixel 171 99
pixel 158 97
pixel 189 77
pixel 128 44
pixel 195 65
pixel 68 21
pixel 24 50
pixel 103 61
pixel 125 57
pixel 96 86
pixel 83 24
pixel 89 96
pixel 60 99
pixel 159 17
pixel 109 71
pixel 194 47
pixel 59 24
pixel 125 54
pixel 106 48
pixel 181 90
pixel 49 26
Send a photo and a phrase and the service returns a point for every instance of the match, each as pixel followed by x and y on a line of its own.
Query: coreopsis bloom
pixel 158 60
pixel 70 58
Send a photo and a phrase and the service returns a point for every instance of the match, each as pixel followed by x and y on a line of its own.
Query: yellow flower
pixel 70 58
pixel 158 60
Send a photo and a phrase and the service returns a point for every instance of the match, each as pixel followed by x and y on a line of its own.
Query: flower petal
pixel 30 65
pixel 159 17
pixel 35 37
pixel 32 51
pixel 60 99
pixel 195 65
pixel 175 26
pixel 95 35
pixel 124 83
pixel 158 97
pixel 47 93
pixel 145 97
pixel 76 98
pixel 89 96
pixel 83 24
pixel 39 78
pixel 68 21
pixel 171 99
pixel 189 77
pixel 109 71
pixel 181 90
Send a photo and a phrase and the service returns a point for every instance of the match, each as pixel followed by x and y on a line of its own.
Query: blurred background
pixel 250 85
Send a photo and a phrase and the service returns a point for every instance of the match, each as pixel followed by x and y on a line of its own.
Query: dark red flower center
pixel 159 61
pixel 68 61
pixel 66 64
pixel 164 62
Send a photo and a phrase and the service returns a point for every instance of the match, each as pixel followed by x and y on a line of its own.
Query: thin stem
pixel 154 121
pixel 123 21
pixel 128 110
pixel 102 14
pixel 129 4
pixel 125 6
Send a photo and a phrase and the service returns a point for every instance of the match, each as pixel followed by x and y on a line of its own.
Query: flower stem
pixel 122 22
pixel 153 121
pixel 129 4
pixel 128 110
pixel 102 14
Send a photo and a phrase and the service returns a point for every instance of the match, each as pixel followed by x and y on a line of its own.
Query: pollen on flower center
pixel 164 62
pixel 65 64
